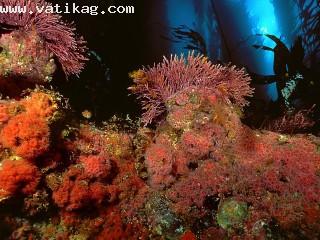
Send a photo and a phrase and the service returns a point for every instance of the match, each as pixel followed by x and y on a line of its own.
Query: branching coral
pixel 58 37
pixel 155 85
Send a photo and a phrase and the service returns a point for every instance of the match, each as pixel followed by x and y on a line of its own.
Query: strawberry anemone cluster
pixel 208 175
pixel 24 137
pixel 101 177
pixel 212 177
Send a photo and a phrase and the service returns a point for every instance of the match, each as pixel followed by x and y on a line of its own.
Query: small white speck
pixel 103 12
pixel 30 12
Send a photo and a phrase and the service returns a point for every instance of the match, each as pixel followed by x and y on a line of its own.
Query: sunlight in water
pixel 180 12
pixel 240 20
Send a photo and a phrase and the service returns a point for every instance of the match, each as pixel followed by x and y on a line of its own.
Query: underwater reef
pixel 189 169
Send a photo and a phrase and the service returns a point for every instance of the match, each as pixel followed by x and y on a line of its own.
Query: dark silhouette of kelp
pixel 193 39
pixel 309 12
pixel 287 63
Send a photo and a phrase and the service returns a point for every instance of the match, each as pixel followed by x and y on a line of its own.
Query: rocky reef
pixel 190 169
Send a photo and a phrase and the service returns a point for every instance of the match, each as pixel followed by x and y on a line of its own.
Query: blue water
pixel 240 21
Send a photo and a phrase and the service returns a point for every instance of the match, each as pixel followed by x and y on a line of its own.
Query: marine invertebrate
pixel 96 166
pixel 155 85
pixel 215 156
pixel 18 177
pixel 180 148
pixel 4 113
pixel 40 103
pixel 58 37
pixel 196 144
pixel 201 174
pixel 119 144
pixel 26 125
pixel 206 180
pixel 159 163
pixel 114 228
pixel 188 235
pixel 26 135
pixel 77 192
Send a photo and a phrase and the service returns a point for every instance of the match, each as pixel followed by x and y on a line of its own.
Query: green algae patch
pixel 231 214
